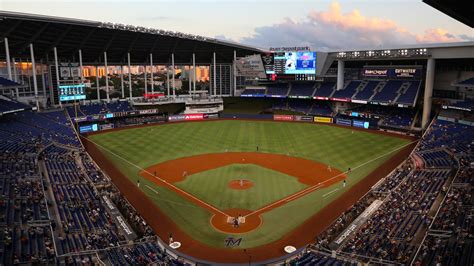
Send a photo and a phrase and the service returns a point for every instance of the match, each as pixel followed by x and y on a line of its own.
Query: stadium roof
pixel 459 10
pixel 93 38
pixel 413 46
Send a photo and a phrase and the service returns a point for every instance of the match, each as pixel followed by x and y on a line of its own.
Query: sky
pixel 321 25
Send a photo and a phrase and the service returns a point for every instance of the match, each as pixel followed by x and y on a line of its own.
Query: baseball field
pixel 278 179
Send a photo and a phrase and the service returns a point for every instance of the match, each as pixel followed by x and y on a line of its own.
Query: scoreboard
pixel 290 65
pixel 72 92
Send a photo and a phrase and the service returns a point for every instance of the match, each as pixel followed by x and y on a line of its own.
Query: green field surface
pixel 269 186
pixel 341 148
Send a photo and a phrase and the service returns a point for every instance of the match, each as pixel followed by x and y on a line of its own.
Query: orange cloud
pixel 353 20
pixel 332 29
pixel 436 35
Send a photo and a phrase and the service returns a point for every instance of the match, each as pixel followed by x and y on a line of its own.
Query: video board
pixel 72 92
pixel 290 63
pixel 295 63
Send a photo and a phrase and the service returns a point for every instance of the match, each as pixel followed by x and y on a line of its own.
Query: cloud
pixel 332 29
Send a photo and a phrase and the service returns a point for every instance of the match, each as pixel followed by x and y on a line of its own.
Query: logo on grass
pixel 231 242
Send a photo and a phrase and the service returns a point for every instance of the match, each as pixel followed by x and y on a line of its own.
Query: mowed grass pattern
pixel 339 147
pixel 268 186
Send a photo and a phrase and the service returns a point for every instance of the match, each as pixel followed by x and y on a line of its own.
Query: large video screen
pixel 295 63
pixel 72 92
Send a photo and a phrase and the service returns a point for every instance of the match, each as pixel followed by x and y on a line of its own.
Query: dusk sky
pixel 322 25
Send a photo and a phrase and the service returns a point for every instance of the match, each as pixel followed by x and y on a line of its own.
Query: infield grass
pixel 339 147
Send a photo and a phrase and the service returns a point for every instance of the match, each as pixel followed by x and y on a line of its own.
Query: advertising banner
pixel 283 117
pixel 340 99
pixel 251 67
pixel 361 124
pixel 303 118
pixel 106 126
pixel 359 101
pixel 343 122
pixel 320 119
pixel 193 117
pixel 88 128
pixel 174 118
pixel 392 72
pixel 153 95
pixel 320 98
pixel 211 116
pixel 356 224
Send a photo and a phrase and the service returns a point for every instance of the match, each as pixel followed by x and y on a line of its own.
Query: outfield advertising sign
pixel 320 119
pixel 283 117
pixel 88 128
pixel 174 118
pixel 303 118
pixel 362 124
pixel 193 117
pixel 343 122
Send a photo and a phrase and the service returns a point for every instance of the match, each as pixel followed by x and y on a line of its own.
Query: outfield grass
pixel 339 147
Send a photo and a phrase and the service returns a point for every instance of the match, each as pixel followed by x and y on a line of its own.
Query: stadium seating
pixel 98 108
pixel 253 93
pixel 8 83
pixel 301 90
pixel 348 91
pixel 10 106
pixel 366 92
pixel 304 106
pixel 326 90
pixel 277 90
pixel 410 195
pixel 388 92
pixel 408 96
pixel 469 81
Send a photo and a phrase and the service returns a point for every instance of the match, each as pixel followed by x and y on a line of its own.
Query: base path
pixel 299 237
pixel 314 174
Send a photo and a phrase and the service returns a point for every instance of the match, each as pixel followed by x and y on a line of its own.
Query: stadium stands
pixel 304 106
pixel 434 201
pixel 277 90
pixel 8 83
pixel 98 108
pixel 388 92
pixel 301 90
pixel 7 106
pixel 253 92
pixel 326 90
pixel 366 92
pixel 348 91
pixel 469 81
pixel 52 209
pixel 408 95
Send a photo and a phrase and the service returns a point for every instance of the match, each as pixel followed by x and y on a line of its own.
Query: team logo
pixel 231 242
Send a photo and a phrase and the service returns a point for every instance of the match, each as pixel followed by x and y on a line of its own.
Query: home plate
pixel 230 219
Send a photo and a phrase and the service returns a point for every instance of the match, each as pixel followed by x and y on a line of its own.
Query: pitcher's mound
pixel 240 184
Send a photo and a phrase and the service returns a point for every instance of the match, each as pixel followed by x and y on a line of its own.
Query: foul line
pixel 314 187
pixel 163 181
pixel 330 192
pixel 150 188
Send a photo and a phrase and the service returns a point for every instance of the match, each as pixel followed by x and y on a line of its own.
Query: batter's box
pixel 230 219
